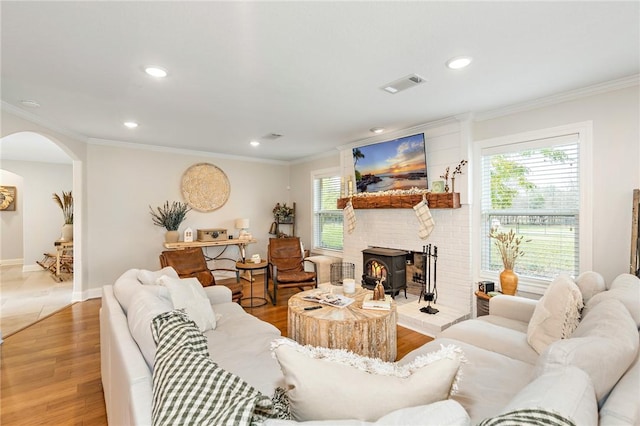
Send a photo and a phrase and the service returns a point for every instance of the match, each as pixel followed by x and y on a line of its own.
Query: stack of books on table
pixel 380 305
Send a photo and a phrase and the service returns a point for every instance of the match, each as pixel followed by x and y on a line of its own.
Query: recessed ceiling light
pixel 131 124
pixel 30 103
pixel 458 62
pixel 156 72
pixel 254 143
pixel 377 130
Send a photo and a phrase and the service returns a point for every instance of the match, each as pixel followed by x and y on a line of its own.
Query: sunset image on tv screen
pixel 392 165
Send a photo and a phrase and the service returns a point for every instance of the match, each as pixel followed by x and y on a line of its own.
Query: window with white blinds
pixel 533 188
pixel 327 218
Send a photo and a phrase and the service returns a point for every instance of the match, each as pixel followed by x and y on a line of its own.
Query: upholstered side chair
pixel 286 266
pixel 190 262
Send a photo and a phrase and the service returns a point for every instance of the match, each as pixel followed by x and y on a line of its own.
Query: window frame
pixel 319 174
pixel 585 234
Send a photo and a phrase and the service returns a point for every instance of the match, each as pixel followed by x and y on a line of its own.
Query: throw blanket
pixel 190 389
pixel 528 416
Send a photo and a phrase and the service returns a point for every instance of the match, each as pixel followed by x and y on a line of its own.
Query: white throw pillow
pixel 590 283
pixel 189 295
pixel 151 277
pixel 626 289
pixel 145 305
pixel 334 384
pixel 556 314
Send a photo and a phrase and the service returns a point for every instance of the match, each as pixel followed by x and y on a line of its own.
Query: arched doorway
pixel 45 168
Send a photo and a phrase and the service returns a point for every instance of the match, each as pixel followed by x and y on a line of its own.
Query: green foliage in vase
pixel 66 205
pixel 169 216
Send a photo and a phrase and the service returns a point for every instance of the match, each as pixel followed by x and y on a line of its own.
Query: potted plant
pixel 170 217
pixel 66 205
pixel 508 245
pixel 283 213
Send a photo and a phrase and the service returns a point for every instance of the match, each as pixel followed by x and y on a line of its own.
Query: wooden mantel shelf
pixel 446 200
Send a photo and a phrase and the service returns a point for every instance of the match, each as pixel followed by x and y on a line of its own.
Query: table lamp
pixel 243 226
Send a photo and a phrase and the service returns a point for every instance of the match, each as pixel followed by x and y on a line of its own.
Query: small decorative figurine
pixel 188 235
pixel 378 291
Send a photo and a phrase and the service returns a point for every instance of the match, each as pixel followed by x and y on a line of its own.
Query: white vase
pixel 67 232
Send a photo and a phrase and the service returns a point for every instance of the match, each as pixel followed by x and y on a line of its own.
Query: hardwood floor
pixel 50 371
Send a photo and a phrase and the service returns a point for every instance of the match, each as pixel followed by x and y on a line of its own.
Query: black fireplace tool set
pixel 428 257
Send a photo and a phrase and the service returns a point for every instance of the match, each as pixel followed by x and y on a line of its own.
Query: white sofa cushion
pixel 604 345
pixel 590 283
pixel 556 315
pixel 151 277
pixel 493 337
pixel 622 407
pixel 440 413
pixel 328 384
pixel 626 289
pixel 146 303
pixel 188 294
pixel 566 391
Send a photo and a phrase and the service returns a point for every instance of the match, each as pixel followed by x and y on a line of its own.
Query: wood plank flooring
pixel 50 371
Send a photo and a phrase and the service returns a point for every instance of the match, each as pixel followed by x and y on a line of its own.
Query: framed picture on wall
pixel 8 198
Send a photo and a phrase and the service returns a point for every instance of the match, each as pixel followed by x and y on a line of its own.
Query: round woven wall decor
pixel 205 187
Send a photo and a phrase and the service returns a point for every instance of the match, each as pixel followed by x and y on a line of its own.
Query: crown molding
pixel 182 151
pixel 419 128
pixel 596 89
pixel 41 122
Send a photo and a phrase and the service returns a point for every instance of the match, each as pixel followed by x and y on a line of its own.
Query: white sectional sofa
pixel 591 377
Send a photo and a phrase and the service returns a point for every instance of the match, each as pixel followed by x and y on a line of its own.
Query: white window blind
pixel 533 188
pixel 327 218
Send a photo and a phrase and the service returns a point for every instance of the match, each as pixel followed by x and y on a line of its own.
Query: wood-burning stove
pixel 386 265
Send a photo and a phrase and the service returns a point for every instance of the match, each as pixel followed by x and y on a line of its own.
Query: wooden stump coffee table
pixel 367 332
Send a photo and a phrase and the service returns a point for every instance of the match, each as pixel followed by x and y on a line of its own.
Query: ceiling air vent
pixel 271 136
pixel 412 80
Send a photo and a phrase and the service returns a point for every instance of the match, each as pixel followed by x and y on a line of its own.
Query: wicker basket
pixel 340 271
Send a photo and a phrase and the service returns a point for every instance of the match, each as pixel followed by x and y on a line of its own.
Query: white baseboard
pixel 32 268
pixel 81 296
pixel 10 262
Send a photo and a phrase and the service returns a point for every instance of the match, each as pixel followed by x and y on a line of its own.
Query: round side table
pixel 251 267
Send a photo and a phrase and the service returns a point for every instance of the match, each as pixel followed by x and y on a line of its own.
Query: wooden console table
pixel 366 332
pixel 241 243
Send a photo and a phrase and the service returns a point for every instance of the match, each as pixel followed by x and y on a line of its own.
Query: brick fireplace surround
pixel 398 229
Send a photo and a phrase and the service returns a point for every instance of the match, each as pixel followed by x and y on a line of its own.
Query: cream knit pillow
pixel 556 314
pixel 334 384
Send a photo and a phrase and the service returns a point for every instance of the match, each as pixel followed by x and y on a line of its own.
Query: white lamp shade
pixel 242 223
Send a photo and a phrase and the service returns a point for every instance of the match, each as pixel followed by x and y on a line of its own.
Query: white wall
pixel 11 241
pixel 42 218
pixel 616 149
pixel 123 181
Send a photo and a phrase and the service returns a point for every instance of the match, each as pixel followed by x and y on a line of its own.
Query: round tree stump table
pixel 367 332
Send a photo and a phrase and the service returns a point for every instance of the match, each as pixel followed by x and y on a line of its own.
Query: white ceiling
pixel 311 71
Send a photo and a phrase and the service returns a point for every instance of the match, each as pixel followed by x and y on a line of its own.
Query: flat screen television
pixel 398 164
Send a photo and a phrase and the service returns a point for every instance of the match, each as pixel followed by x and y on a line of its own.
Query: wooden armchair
pixel 286 266
pixel 190 262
